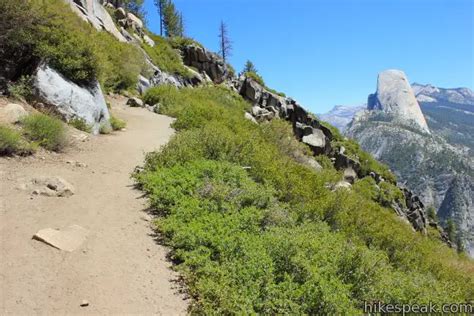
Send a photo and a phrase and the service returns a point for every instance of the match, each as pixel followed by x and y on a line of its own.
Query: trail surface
pixel 119 269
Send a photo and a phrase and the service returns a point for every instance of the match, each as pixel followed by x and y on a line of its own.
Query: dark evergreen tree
pixel 249 67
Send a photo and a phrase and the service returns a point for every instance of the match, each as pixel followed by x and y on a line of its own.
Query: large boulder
pixel 134 21
pixel 147 39
pixel 395 96
pixel 161 77
pixel 205 61
pixel 120 14
pixel 251 90
pixel 316 141
pixel 12 113
pixel 71 100
pixel 93 12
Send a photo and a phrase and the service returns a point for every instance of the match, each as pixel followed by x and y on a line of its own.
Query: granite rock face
pixel 395 96
pixel 93 12
pixel 205 61
pixel 71 100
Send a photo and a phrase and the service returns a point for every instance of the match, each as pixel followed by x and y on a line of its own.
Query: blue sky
pixel 324 53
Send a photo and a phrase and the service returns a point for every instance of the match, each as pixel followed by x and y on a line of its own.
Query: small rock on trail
pixel 68 239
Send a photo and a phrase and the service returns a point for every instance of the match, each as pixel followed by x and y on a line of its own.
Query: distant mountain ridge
pixel 429 93
pixel 430 98
pixel 340 116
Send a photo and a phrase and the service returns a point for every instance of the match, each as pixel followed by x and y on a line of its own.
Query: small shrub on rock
pixel 46 131
pixel 166 57
pixel 105 128
pixel 81 125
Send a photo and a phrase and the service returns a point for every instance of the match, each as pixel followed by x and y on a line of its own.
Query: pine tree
pixel 249 67
pixel 170 19
pixel 225 44
pixel 181 25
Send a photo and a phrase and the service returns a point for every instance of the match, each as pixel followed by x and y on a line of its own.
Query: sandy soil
pixel 119 269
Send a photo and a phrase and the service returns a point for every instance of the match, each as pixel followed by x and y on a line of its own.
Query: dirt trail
pixel 119 269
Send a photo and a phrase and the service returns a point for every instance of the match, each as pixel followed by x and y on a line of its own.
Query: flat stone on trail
pixel 68 239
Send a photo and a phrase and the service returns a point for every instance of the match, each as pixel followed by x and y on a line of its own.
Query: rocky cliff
pixel 439 172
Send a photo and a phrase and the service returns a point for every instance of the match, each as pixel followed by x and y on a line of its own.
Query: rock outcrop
pixel 395 96
pixel 309 130
pixel 93 12
pixel 268 105
pixel 71 100
pixel 205 61
pixel 12 113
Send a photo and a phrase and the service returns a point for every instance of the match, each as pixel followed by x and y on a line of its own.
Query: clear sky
pixel 328 52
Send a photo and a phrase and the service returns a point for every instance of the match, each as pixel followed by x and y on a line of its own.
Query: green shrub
pixel 105 128
pixel 80 124
pixel 117 124
pixel 166 57
pixel 46 131
pixel 281 94
pixel 11 143
pixel 180 43
pixel 50 31
pixel 253 231
pixel 367 162
pixel 21 89
pixel 255 76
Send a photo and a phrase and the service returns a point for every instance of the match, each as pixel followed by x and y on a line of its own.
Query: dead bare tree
pixel 225 44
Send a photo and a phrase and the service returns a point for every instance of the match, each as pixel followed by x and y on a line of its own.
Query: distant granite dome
pixel 394 95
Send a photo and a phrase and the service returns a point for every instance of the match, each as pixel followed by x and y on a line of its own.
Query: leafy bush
pixel 105 128
pixel 255 76
pixel 180 43
pixel 117 124
pixel 50 31
pixel 166 57
pixel 367 162
pixel 46 131
pixel 80 124
pixel 11 143
pixel 281 94
pixel 21 89
pixel 253 231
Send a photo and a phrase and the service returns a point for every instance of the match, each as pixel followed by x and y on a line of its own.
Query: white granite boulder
pixel 71 100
